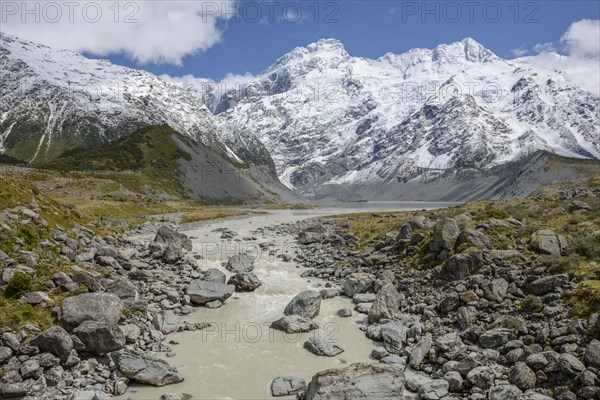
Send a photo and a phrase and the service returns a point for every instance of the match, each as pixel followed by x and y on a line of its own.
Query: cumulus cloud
pixel 580 60
pixel 145 31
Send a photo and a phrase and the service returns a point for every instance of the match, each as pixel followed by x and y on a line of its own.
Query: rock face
pixel 357 381
pixel 294 324
pixel 144 369
pixel 306 304
pixel 100 337
pixel 240 263
pixel 287 385
pixel 357 283
pixel 322 347
pixel 386 304
pixel 244 282
pixel 202 292
pixel 445 233
pixel 101 307
pixel 547 242
pixel 54 340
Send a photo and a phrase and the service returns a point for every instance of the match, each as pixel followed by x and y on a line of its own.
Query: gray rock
pixel 214 304
pixel 461 266
pixel 35 298
pixel 357 283
pixel 308 237
pixel 379 352
pixel 344 313
pixel 5 354
pixel 522 376
pixel 455 381
pixel 363 298
pixel 445 233
pixel 420 351
pixel 175 396
pixel 482 377
pixel 395 361
pixel 386 305
pixel 54 340
pixel 240 263
pixel 569 364
pixel 592 354
pixel 165 321
pixel 475 238
pixel 294 324
pixel 547 242
pixel 29 368
pixel 202 292
pixel 329 293
pixel 214 275
pixel 145 369
pixel 306 304
pixel 322 347
pixel 505 392
pixel 102 307
pixel 244 282
pixel 394 336
pixel 29 387
pixel 287 385
pixel 449 343
pixel 495 338
pixel 131 332
pixel 548 284
pixel 100 337
pixel 434 390
pixel 496 290
pixel 168 236
pixel 357 381
pixel 363 308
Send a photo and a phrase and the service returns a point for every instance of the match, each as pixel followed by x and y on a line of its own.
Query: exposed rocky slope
pixel 337 124
pixel 57 100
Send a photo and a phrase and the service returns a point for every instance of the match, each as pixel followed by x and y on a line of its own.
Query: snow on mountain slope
pixel 56 100
pixel 330 118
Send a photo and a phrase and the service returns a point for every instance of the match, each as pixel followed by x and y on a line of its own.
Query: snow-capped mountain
pixel 330 119
pixel 56 100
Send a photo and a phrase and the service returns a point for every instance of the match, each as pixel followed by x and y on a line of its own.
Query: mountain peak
pixel 467 49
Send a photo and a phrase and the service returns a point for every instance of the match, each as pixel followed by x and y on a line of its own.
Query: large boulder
pixel 308 237
pixel 394 336
pixel 202 292
pixel 214 275
pixel 294 324
pixel 144 369
pixel 322 347
pixel 99 306
pixel 420 351
pixel 547 242
pixel 54 340
pixel 386 305
pixel 445 233
pixel 357 381
pixel 168 236
pixel 306 304
pixel 474 238
pixel 548 284
pixel 244 282
pixel 495 338
pixel 165 321
pixel 357 283
pixel 461 266
pixel 100 337
pixel 592 354
pixel 287 385
pixel 522 376
pixel 240 263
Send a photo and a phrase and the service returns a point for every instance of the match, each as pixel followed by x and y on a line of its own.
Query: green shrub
pixel 19 284
pixel 532 304
pixel 497 213
pixel 558 264
pixel 586 246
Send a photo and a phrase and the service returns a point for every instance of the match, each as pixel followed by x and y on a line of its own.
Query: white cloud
pixel 520 52
pixel 145 31
pixel 581 63
pixel 582 39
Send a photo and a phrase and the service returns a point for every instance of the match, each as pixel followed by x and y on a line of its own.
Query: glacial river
pixel 239 356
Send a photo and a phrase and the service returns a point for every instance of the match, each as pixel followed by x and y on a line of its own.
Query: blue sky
pixel 372 28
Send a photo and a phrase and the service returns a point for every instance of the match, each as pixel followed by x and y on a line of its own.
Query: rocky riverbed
pixel 439 306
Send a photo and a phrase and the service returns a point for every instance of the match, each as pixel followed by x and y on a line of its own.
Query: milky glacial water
pixel 239 356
